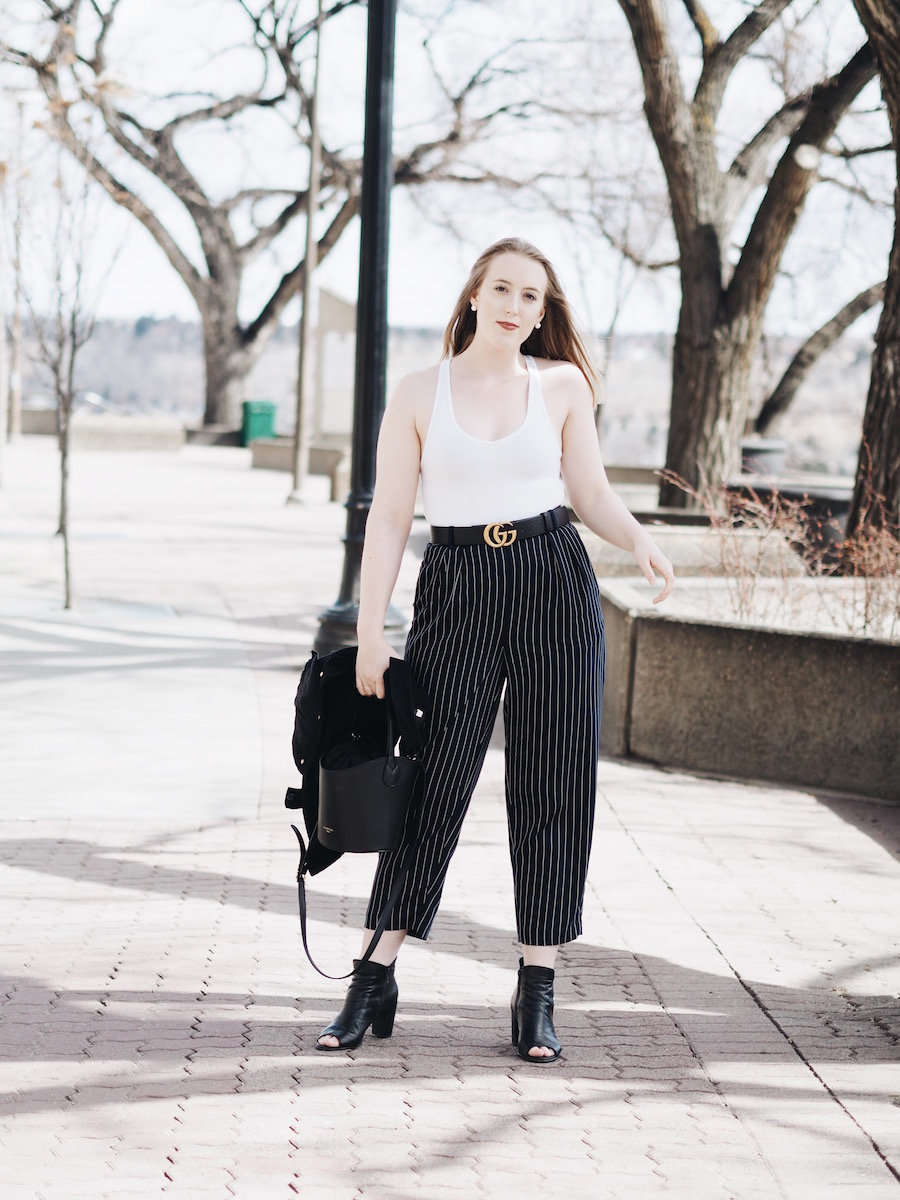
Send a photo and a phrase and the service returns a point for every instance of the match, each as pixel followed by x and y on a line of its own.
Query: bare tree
pixel 878 473
pixel 62 289
pixel 4 348
pixel 724 290
pixel 72 66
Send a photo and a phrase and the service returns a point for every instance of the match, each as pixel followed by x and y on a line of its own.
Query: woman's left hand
pixel 651 559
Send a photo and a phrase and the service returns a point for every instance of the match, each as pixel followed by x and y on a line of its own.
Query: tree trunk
pixel 62 443
pixel 710 373
pixel 64 431
pixel 64 513
pixel 228 362
pixel 711 361
pixel 229 355
pixel 876 497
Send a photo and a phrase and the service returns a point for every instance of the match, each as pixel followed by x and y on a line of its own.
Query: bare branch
pixel 125 197
pixel 295 35
pixel 783 202
pixel 709 35
pixel 222 110
pixel 471 177
pixel 666 107
pixel 724 58
pixel 624 248
pixel 292 280
pixel 859 152
pixel 164 163
pixel 750 165
pixel 268 233
pixel 284 48
pixel 463 132
pixel 812 350
pixel 48 78
pixel 98 62
pixel 253 194
pixel 857 190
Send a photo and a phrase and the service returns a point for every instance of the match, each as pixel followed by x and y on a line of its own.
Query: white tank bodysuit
pixel 470 481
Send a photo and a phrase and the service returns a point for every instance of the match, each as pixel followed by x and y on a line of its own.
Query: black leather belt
pixel 500 533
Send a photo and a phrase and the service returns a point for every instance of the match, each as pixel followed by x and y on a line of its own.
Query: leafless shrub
pixel 870 561
pixel 756 538
pixel 784 563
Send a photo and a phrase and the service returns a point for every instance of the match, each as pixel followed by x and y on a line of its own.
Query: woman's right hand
pixel 372 660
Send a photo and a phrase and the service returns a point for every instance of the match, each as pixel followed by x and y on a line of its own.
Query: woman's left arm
pixel 592 497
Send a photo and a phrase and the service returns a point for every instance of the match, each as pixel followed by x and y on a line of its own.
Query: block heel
pixel 383 1025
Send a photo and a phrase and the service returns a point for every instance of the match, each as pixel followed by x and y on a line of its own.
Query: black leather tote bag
pixel 363 804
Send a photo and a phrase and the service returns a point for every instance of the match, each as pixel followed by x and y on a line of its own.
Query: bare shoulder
pixel 560 377
pixel 414 394
pixel 412 401
pixel 566 392
pixel 416 386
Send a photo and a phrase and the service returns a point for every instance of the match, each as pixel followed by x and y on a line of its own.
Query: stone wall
pixel 817 710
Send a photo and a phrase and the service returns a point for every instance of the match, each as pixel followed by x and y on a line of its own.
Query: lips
pixel 507 325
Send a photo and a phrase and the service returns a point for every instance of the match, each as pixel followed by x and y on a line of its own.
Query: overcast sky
pixel 173 44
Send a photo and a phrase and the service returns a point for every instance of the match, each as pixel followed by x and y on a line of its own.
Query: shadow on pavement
pixel 881 822
pixel 191 1053
pixel 609 1014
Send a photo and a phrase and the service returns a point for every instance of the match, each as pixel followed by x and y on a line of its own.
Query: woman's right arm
pixel 387 529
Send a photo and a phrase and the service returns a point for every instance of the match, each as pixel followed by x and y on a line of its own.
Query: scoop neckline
pixel 493 441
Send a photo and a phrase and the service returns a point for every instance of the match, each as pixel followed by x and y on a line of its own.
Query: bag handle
pixel 391 772
pixel 382 920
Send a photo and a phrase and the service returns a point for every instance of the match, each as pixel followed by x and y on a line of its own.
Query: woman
pixel 506 597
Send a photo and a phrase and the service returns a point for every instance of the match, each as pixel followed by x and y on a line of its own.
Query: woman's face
pixel 510 300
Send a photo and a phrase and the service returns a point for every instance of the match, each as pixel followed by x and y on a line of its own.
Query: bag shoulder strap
pixel 382 920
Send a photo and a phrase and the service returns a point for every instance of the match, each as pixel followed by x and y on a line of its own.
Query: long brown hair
pixel 558 338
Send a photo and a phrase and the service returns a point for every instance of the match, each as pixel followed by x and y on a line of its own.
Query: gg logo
pixel 497 536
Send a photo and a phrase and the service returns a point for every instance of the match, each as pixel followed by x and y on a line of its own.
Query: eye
pixel 530 296
pixel 500 288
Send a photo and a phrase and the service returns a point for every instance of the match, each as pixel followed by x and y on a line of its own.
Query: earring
pixel 473 306
pixel 538 325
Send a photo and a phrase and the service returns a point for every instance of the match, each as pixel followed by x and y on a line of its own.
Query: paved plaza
pixel 730 1019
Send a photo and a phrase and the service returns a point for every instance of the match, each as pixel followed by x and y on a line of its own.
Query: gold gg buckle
pixel 497 535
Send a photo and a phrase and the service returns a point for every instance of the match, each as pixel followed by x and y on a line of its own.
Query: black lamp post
pixel 337 625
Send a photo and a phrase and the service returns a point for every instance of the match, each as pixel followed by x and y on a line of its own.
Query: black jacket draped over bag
pixel 333 721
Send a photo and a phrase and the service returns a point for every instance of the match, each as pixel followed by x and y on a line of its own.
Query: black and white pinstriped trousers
pixel 527 615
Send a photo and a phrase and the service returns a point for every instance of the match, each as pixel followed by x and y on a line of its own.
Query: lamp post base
pixel 337 628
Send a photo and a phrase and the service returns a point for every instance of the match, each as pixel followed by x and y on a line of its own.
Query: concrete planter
pixel 277 454
pixel 109 431
pixel 40 421
pixel 813 709
pixel 213 435
pixel 112 431
pixel 763 456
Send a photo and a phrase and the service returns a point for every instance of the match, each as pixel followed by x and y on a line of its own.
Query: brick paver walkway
pixel 730 1018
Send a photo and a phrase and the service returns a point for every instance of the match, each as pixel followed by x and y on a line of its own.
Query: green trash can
pixel 258 420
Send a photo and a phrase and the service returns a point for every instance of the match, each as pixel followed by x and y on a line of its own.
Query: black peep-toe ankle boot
pixel 532 1014
pixel 371 1000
